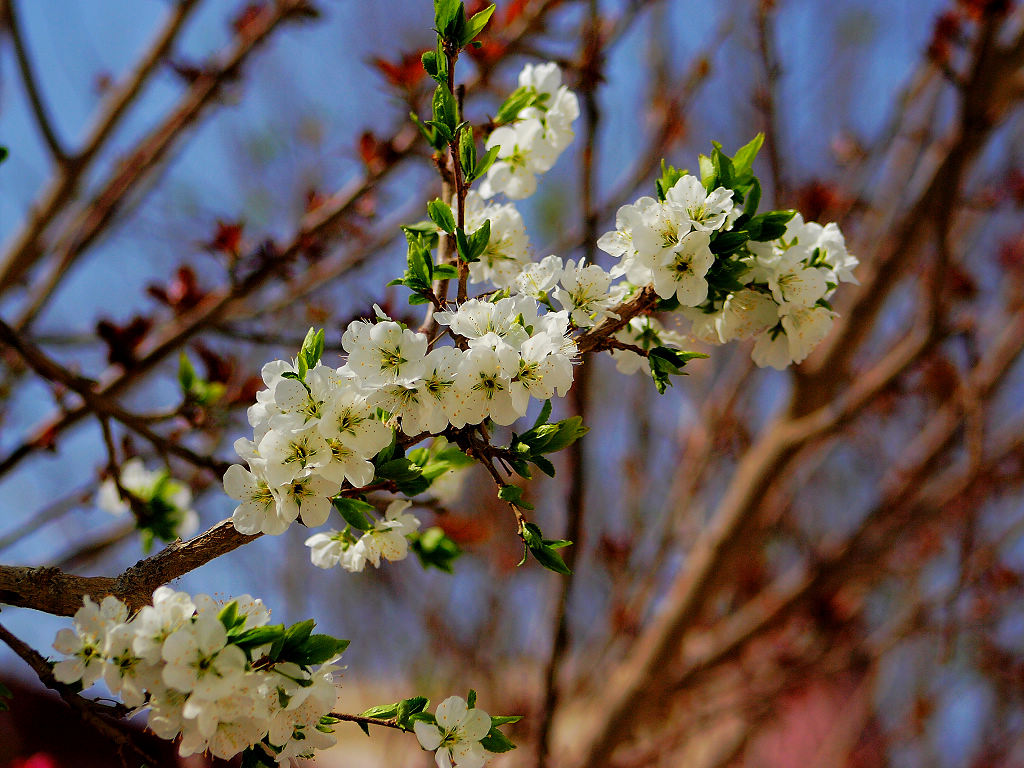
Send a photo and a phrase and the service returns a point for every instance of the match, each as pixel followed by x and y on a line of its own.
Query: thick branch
pixel 52 591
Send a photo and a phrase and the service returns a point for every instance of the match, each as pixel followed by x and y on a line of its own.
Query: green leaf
pixel 516 102
pixel 543 464
pixel 355 512
pixel 408 478
pixel 769 226
pixel 496 741
pixel 550 438
pixel 707 172
pixel 484 163
pixel 481 239
pixel 476 24
pixel 726 275
pixel 665 362
pixel 299 633
pixel 186 374
pixel 3 153
pixel 229 616
pixel 669 177
pixel 725 174
pixel 497 720
pixel 471 699
pixel 544 553
pixel 444 133
pixel 389 452
pixel 409 707
pixel 257 636
pixel 513 494
pixel 319 648
pixel 428 133
pixel 753 198
pixel 5 692
pixel 445 12
pixel 435 549
pixel 544 415
pixel 381 712
pixel 441 214
pixel 726 243
pixel 435 65
pixel 743 161
pixel 463 245
pixel 467 155
pixel 312 347
pixel 445 272
pixel 445 111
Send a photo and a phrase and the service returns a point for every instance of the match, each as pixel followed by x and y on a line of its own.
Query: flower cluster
pixel 214 674
pixel 538 131
pixel 164 505
pixel 774 291
pixel 315 428
pixel 387 538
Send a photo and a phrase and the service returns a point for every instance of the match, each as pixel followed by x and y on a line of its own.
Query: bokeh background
pixel 821 567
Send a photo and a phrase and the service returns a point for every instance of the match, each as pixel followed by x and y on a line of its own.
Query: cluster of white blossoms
pixel 314 432
pixel 186 660
pixel 387 538
pixel 531 143
pixel 786 283
pixel 784 304
pixel 167 499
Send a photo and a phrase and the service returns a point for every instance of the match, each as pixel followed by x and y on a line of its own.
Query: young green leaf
pixel 441 214
pixel 743 161
pixel 476 24
pixel 516 102
pixel 354 511
pixel 544 553
pixel 513 494
pixel 496 741
pixel 483 164
pixel 467 153
pixel 435 549
pixel 444 108
pixel 445 12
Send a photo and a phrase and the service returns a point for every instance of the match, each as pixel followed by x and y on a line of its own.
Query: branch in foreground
pixel 97 715
pixel 52 591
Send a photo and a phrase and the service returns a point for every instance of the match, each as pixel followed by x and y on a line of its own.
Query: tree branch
pixel 100 717
pixel 100 405
pixel 28 78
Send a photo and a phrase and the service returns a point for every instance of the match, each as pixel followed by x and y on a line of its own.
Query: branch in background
pixel 28 79
pixel 100 211
pixel 103 406
pixel 591 75
pixel 25 247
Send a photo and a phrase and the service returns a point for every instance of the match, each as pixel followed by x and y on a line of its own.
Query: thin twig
pixel 28 78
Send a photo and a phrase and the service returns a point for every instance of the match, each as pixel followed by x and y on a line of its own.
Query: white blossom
pixel 586 293
pixel 85 643
pixel 706 211
pixel 258 512
pixel 457 735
